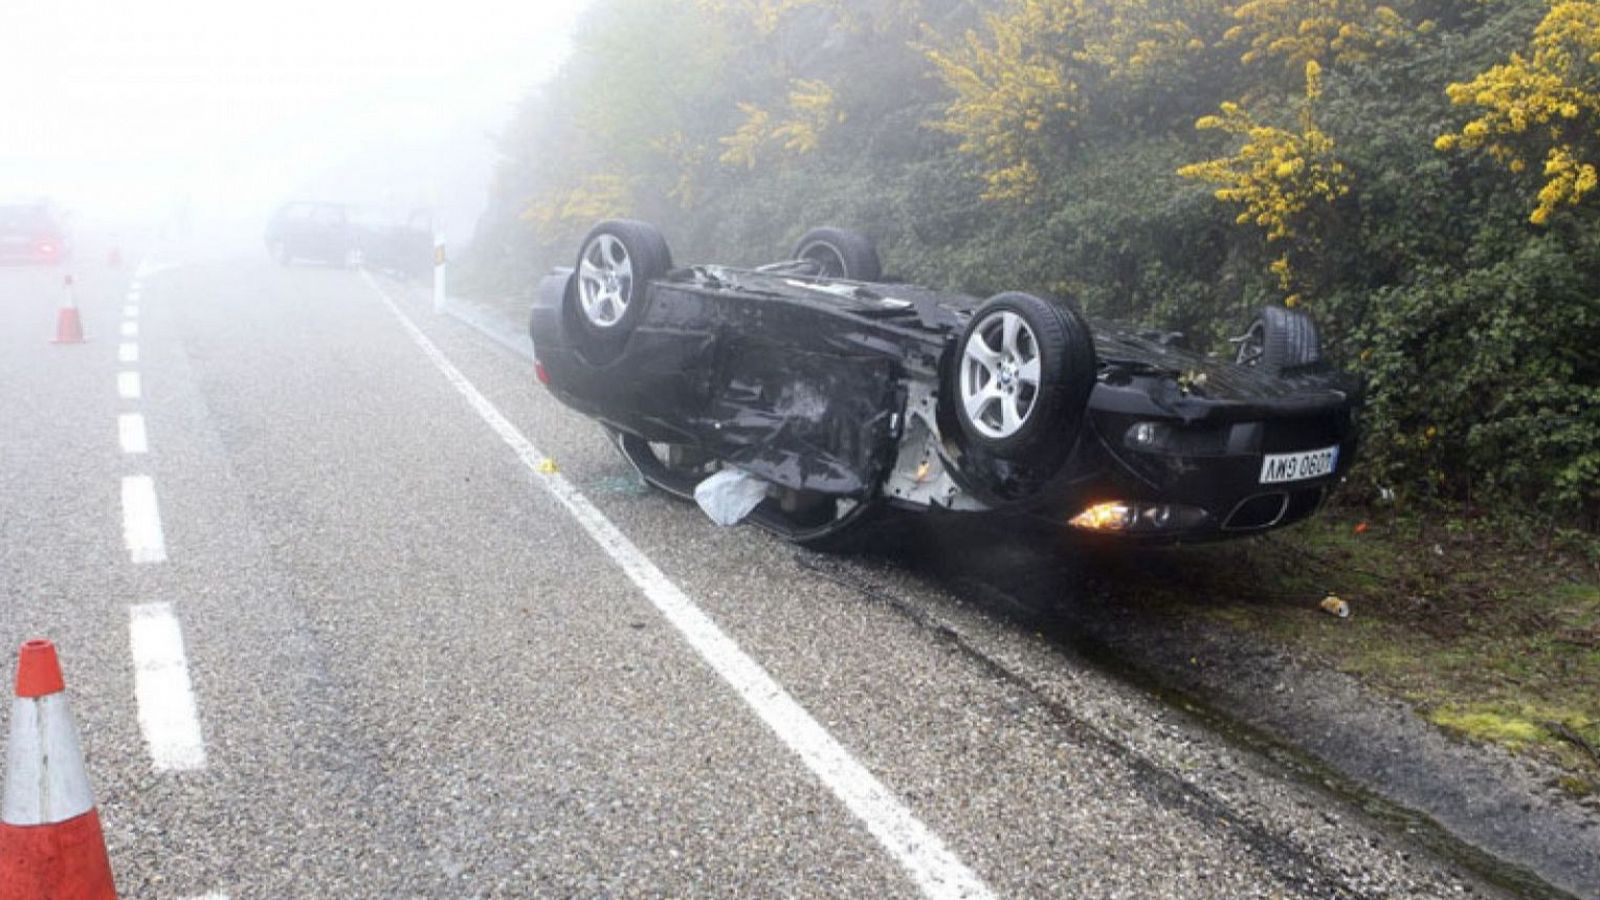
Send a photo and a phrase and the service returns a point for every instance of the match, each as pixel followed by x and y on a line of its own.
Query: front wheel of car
pixel 1022 376
pixel 616 263
pixel 841 253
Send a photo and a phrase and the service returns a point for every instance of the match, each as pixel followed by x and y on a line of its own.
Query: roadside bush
pixel 1485 383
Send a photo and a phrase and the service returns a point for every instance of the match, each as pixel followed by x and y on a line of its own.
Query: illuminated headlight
pixel 1144 518
pixel 1105 517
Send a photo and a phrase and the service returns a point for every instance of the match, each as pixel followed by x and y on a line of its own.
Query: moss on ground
pixel 1491 629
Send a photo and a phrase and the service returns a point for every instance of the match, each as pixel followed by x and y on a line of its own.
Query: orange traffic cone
pixel 51 846
pixel 69 328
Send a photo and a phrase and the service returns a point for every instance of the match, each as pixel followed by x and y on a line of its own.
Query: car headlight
pixel 1115 516
pixel 1147 436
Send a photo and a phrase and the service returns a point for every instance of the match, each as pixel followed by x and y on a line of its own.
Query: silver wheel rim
pixel 1253 345
pixel 1000 374
pixel 605 280
pixel 827 256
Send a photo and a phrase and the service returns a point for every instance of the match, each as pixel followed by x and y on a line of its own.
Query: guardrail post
pixel 438 273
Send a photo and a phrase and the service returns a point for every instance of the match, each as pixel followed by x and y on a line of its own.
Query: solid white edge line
pixel 128 387
pixel 141 520
pixel 131 433
pixel 127 352
pixel 168 718
pixel 934 868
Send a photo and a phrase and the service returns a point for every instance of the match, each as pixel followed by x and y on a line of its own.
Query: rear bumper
pixel 32 255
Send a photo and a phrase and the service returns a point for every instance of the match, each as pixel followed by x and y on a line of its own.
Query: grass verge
pixel 1491 629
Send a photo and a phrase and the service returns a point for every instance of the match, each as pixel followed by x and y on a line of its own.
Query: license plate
pixel 1277 468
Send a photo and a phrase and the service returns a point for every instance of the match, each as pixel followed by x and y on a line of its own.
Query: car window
pixel 328 215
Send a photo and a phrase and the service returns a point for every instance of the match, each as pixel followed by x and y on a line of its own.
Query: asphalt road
pixel 416 673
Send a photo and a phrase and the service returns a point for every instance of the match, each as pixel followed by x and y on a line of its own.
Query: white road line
pixel 130 432
pixel 933 867
pixel 130 311
pixel 167 715
pixel 141 520
pixel 128 352
pixel 130 329
pixel 128 385
pixel 133 295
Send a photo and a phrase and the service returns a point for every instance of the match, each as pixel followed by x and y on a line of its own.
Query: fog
pixel 199 116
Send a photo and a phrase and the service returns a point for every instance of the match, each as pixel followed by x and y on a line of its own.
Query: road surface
pixel 349 607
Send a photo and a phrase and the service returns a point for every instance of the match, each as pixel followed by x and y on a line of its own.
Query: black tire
pixel 1049 411
pixel 1280 340
pixel 842 253
pixel 606 311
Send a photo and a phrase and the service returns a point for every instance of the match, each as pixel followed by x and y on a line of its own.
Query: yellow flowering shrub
pixel 1549 102
pixel 811 110
pixel 567 211
pixel 1330 32
pixel 685 157
pixel 1028 76
pixel 763 16
pixel 1277 173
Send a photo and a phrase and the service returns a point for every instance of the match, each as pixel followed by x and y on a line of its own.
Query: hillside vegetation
pixel 1419 174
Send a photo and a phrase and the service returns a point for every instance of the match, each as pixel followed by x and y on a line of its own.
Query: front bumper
pixel 1146 477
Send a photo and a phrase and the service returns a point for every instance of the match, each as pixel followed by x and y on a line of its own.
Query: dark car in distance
pixel 401 246
pixel 849 396
pixel 31 233
pixel 310 231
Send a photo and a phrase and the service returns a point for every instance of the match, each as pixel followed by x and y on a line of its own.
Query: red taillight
pixel 540 373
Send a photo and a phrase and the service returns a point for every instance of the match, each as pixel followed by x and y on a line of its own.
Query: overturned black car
pixel 842 397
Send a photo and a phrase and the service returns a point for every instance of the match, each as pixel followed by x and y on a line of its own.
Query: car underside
pixel 845 399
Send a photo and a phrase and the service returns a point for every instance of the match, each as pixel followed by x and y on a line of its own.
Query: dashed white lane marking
pixel 167 715
pixel 128 385
pixel 141 520
pixel 933 867
pixel 133 295
pixel 130 329
pixel 131 434
pixel 130 311
pixel 127 352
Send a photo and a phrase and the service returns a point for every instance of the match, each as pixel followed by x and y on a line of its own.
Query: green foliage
pixel 1036 144
pixel 1485 381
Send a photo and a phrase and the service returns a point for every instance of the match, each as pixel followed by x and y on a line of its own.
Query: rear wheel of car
pixel 1278 340
pixel 618 260
pixel 841 253
pixel 1023 375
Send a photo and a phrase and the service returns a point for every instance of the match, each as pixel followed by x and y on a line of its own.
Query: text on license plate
pixel 1280 467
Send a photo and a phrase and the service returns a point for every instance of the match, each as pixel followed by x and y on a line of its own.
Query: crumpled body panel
pixel 794 392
